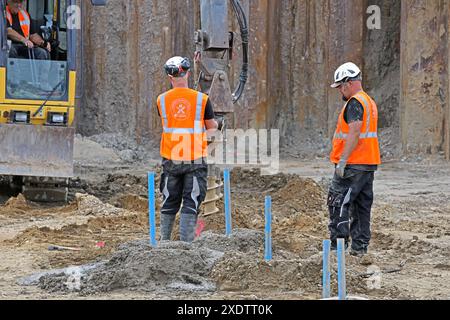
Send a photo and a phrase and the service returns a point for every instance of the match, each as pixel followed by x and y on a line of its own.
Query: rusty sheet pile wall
pixel 295 47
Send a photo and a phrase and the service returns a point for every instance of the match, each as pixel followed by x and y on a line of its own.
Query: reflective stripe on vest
pixel 24 22
pixel 198 128
pixel 366 135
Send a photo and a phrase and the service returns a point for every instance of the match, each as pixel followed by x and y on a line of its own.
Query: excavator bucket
pixel 36 151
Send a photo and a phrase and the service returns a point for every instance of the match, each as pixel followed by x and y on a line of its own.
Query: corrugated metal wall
pixel 295 47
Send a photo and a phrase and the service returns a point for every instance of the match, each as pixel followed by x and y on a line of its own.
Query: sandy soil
pixel 408 256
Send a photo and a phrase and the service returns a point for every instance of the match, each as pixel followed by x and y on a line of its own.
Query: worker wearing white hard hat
pixel 185 114
pixel 356 157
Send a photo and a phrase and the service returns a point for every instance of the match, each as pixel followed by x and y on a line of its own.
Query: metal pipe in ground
pixel 268 228
pixel 227 201
pixel 342 291
pixel 326 282
pixel 151 208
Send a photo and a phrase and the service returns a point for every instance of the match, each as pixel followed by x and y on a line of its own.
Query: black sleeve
pixel 209 112
pixel 8 25
pixel 34 27
pixel 354 111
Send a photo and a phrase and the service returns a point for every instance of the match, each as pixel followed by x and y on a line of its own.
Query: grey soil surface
pixel 106 227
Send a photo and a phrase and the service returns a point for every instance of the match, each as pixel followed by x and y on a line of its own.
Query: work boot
pixel 334 246
pixel 358 252
pixel 166 225
pixel 188 222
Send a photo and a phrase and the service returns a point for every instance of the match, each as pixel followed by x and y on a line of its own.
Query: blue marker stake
pixel 227 201
pixel 326 282
pixel 342 294
pixel 268 229
pixel 151 208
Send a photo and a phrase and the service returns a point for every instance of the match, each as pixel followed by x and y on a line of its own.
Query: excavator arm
pixel 214 46
pixel 214 53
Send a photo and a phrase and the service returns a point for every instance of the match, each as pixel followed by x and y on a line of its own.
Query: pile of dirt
pixel 87 151
pixel 94 240
pixel 110 187
pixel 213 262
pixel 127 148
pixel 171 266
pixel 299 213
pixel 18 207
pixel 93 229
pixel 133 202
pixel 88 205
pixel 17 203
pixel 239 272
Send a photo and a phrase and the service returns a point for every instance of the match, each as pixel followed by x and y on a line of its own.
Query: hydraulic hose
pixel 243 25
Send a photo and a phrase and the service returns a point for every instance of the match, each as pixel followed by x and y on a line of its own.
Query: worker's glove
pixel 340 168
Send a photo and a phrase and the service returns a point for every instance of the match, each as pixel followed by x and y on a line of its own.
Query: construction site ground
pixel 106 226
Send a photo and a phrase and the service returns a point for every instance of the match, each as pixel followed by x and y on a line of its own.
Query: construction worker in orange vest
pixel 185 114
pixel 356 156
pixel 26 42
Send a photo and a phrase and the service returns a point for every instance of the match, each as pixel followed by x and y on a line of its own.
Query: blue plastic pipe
pixel 326 282
pixel 151 207
pixel 227 203
pixel 268 228
pixel 342 291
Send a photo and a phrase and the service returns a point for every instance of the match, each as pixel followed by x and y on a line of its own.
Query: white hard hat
pixel 177 66
pixel 346 71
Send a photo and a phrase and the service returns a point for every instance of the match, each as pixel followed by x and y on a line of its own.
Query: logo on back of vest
pixel 181 109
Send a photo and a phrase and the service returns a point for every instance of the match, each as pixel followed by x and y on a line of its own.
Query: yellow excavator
pixel 37 102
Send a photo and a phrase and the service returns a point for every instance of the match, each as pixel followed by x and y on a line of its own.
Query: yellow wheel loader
pixel 37 102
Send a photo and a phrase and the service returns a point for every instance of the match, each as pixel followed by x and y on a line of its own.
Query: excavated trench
pixel 106 232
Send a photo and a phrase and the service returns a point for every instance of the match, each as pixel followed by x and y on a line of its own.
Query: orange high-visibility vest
pixel 182 112
pixel 24 19
pixel 367 150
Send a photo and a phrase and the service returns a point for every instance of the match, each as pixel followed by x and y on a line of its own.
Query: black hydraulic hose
pixel 242 20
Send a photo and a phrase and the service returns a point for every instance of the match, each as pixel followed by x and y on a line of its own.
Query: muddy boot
pixel 166 225
pixel 188 223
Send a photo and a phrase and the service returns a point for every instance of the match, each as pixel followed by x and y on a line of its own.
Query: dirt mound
pixel 173 266
pixel 299 212
pixel 86 238
pixel 133 202
pixel 239 272
pixel 213 262
pixel 251 179
pixel 88 205
pixel 90 237
pixel 18 203
pixel 87 151
pixel 110 187
pixel 19 208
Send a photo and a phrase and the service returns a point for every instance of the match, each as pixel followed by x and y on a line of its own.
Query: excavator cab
pixel 40 80
pixel 37 101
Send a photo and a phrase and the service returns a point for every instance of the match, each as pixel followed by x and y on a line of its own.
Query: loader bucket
pixel 36 151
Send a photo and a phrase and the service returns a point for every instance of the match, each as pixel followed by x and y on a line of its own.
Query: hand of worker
pixel 340 168
pixel 28 43
pixel 49 47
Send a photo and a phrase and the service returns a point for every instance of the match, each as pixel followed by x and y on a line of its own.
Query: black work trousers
pixel 22 51
pixel 349 202
pixel 183 182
